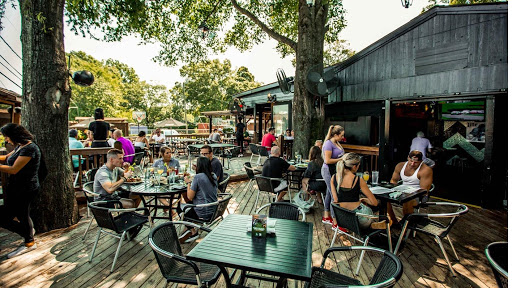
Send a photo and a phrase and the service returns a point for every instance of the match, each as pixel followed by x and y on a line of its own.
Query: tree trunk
pixel 46 96
pixel 307 120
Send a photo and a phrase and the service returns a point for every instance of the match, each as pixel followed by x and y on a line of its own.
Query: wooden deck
pixel 61 258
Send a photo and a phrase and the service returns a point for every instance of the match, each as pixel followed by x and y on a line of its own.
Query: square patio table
pixel 286 254
pixel 405 197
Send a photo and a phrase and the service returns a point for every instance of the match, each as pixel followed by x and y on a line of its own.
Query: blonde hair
pixel 333 130
pixel 347 161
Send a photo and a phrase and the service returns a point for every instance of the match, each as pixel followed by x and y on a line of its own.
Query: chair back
pixel 254 148
pixel 90 174
pixel 284 210
pixel 221 207
pixel 262 151
pixel 346 219
pixel 389 267
pixel 224 183
pixel 104 218
pixel 165 238
pixel 248 170
pixel 497 254
pixel 264 184
pixel 193 151
pixel 137 157
pixel 89 191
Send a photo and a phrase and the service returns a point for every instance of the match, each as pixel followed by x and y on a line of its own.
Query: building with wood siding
pixel 444 73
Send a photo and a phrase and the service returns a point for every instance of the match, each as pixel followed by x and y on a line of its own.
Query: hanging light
pixel 203 30
pixel 406 3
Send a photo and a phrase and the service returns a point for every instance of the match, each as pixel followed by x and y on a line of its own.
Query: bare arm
pixel 20 162
pixel 396 174
pixel 3 158
pixel 333 191
pixel 426 176
pixel 328 159
pixel 291 168
pixel 111 187
pixel 370 198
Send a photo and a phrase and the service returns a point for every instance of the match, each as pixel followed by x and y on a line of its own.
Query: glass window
pixel 281 117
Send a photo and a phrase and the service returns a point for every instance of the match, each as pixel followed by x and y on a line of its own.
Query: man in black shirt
pixel 274 167
pixel 206 151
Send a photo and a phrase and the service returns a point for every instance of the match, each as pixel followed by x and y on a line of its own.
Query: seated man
pixel 128 148
pixel 215 136
pixel 413 173
pixel 105 180
pixel 269 138
pixel 207 151
pixel 274 167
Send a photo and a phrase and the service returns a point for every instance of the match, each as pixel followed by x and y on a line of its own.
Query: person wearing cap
pixel 269 138
pixel 73 144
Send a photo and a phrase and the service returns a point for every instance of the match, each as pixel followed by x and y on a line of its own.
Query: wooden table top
pixel 287 253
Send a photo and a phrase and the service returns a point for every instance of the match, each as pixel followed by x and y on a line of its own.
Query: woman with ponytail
pixel 332 152
pixel 346 186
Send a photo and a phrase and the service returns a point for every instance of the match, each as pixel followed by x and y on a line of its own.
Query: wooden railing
pixel 200 137
pixel 84 153
pixel 368 152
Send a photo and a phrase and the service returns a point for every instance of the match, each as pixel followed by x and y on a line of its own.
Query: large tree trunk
pixel 46 95
pixel 308 121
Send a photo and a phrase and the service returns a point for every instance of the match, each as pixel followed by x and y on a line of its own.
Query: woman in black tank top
pixel 348 186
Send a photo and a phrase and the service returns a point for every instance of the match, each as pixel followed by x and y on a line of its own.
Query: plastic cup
pixel 375 177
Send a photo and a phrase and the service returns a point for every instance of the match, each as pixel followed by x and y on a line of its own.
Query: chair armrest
pixel 462 210
pixel 348 248
pixel 173 256
pixel 192 224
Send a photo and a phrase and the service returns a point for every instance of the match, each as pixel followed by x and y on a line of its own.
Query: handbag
pixel 305 205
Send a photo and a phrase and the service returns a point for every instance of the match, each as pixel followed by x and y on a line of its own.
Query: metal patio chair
pixel 387 273
pixel 163 239
pixel 220 207
pixel 224 183
pixel 283 210
pixel 426 223
pixel 121 223
pixel 348 219
pixel 497 254
pixel 265 185
pixel 89 197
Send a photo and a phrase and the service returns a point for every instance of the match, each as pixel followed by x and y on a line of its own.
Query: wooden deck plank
pixel 61 259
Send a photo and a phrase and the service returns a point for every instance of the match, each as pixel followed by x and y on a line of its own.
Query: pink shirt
pixel 267 140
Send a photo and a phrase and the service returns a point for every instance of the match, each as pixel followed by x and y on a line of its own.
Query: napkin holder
pixel 262 224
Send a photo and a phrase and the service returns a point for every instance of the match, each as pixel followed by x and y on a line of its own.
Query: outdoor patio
pixel 61 258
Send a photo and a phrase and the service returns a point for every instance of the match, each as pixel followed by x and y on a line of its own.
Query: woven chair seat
pixel 322 277
pixel 127 221
pixel 183 273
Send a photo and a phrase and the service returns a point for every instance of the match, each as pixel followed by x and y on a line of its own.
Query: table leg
pixel 383 210
pixel 281 282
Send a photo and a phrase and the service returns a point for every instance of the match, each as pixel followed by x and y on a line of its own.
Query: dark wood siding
pixel 455 49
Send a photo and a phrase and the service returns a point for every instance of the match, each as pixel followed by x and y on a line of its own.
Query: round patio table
pixel 150 195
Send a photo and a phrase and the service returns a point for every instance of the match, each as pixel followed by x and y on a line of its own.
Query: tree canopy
pixel 210 85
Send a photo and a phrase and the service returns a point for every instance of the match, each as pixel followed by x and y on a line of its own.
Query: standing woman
pixel 332 152
pixel 240 127
pixel 99 129
pixel 23 168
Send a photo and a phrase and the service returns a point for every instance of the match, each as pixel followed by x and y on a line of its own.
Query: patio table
pixel 221 146
pixel 405 197
pixel 286 254
pixel 153 193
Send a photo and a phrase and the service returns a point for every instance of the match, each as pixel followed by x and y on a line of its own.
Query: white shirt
pixel 412 180
pixel 158 138
pixel 421 144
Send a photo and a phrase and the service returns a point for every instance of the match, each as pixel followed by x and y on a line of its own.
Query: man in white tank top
pixel 413 173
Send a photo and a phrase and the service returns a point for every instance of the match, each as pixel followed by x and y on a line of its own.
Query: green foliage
pixel 209 87
pixel 174 24
pixel 117 89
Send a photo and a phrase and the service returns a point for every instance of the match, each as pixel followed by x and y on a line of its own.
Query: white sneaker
pixel 21 250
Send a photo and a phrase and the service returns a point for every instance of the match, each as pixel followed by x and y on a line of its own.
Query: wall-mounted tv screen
pixel 463 110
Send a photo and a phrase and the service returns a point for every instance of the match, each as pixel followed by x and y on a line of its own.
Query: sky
pixel 367 21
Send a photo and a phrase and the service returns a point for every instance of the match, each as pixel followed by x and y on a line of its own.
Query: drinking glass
pixel 366 176
pixel 375 178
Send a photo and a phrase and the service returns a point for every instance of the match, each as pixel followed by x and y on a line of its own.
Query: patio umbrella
pixel 84 124
pixel 169 123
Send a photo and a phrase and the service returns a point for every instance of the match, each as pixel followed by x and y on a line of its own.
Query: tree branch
pixel 265 28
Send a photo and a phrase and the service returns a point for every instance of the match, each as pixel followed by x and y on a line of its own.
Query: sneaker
pixel 335 227
pixel 21 250
pixel 184 237
pixel 192 238
pixel 327 220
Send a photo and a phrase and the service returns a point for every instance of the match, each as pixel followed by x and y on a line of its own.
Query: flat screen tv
pixel 467 110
